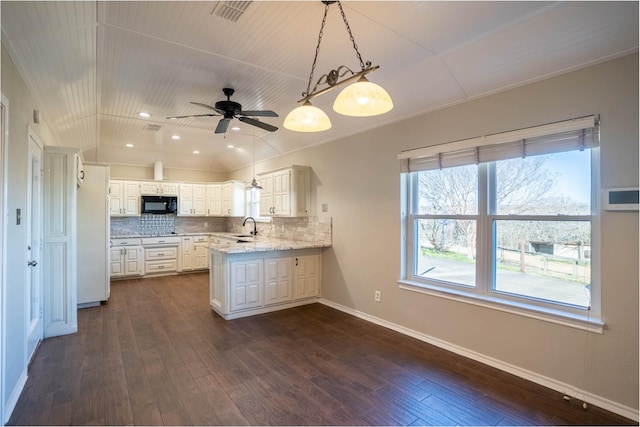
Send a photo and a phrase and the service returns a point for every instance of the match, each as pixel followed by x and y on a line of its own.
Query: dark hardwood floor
pixel 156 354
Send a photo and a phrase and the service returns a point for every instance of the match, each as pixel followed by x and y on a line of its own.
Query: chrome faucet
pixel 255 230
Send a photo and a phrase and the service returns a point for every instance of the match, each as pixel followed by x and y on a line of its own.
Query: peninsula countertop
pixel 234 243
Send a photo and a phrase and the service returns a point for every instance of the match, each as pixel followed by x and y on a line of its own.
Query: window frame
pixel 482 293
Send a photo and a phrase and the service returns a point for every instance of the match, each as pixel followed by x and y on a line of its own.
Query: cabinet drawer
pixel 200 239
pixel 151 267
pixel 161 240
pixel 124 242
pixel 151 254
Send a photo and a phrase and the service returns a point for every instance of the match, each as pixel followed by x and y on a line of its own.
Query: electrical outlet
pixel 377 296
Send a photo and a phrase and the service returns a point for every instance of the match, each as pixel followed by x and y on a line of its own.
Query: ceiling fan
pixel 230 110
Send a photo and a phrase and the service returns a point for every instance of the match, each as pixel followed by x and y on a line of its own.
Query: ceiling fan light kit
pixel 360 99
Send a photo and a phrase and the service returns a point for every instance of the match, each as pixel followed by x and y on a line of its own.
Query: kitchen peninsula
pixel 253 275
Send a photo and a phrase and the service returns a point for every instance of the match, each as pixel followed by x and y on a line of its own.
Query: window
pixel 514 230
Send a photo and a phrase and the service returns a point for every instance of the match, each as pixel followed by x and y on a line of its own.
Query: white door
pixel 33 218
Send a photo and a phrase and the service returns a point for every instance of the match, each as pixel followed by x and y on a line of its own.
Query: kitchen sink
pixel 243 235
pixel 243 241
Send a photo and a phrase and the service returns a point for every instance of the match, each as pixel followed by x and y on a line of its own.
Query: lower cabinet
pixel 195 253
pixel 160 254
pixel 125 258
pixel 252 283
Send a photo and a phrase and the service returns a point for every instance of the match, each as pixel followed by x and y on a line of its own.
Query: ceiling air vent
pixel 230 10
pixel 152 127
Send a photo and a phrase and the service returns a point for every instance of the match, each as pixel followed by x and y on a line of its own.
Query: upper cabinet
pixel 191 201
pixel 233 198
pixel 285 192
pixel 124 198
pixel 213 199
pixel 159 188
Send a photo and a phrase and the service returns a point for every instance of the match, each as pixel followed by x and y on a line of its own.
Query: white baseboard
pixel 12 400
pixel 551 383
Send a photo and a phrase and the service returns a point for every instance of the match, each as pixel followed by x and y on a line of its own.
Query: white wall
pixel 21 107
pixel 169 174
pixel 359 179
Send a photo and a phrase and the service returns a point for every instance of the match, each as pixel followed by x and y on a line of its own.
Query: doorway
pixel 33 218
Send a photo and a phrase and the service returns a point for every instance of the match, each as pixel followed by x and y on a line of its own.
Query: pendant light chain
pixel 355 46
pixel 315 58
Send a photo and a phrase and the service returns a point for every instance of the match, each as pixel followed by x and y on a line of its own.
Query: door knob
pixel 32 263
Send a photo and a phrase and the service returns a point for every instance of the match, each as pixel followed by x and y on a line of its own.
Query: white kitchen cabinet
pixel 191 200
pixel 149 188
pixel 277 280
pixel 285 192
pixel 125 258
pixel 195 253
pixel 213 199
pixel 59 262
pixel 161 254
pixel 306 276
pixel 200 252
pixel 245 284
pixel 124 198
pixel 233 194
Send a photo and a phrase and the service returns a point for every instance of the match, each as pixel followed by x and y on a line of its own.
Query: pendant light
pixel 253 185
pixel 360 99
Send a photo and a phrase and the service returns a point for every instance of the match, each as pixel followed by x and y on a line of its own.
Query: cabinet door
pixel 149 188
pixel 306 276
pixel 245 278
pixel 233 199
pixel 282 192
pixel 186 199
pixel 169 189
pixel 133 260
pixel 213 199
pixel 198 200
pixel 277 280
pixel 266 195
pixel 116 194
pixel 200 256
pixel 116 262
pixel 131 198
pixel 187 253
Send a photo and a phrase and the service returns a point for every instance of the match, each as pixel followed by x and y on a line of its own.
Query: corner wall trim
pixel 534 377
pixel 12 400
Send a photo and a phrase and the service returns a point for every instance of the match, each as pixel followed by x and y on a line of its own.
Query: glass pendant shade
pixel 362 99
pixel 307 118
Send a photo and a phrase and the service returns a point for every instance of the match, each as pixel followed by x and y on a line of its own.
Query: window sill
pixel 586 322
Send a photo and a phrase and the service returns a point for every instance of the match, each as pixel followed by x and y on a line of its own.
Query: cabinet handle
pixel 161 254
pixel 296 261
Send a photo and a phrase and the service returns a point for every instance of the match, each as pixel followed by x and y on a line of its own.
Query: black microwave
pixel 159 205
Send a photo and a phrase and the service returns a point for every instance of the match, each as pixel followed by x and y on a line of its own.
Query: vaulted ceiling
pixel 93 66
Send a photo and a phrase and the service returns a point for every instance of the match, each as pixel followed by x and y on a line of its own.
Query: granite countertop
pixel 258 244
pixel 139 236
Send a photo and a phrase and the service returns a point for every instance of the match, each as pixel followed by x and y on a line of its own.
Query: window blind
pixel 568 135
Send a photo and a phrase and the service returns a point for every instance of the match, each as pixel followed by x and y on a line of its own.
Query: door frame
pixel 31 218
pixel 4 141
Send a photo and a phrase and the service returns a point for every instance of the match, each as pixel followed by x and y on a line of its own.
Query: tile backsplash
pixel 311 229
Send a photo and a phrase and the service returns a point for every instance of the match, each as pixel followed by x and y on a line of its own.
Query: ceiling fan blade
pixel 223 124
pixel 258 123
pixel 220 112
pixel 193 115
pixel 259 113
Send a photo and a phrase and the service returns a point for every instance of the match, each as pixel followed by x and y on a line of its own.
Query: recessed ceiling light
pixel 236 128
pixel 129 145
pixel 175 136
pixel 230 146
pixel 144 114
pixel 196 152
